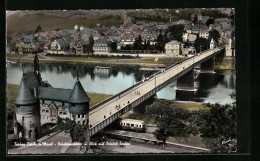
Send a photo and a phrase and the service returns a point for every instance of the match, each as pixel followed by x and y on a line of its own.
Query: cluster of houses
pixel 76 41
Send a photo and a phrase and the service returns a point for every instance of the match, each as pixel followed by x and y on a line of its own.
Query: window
pixel 43 110
pixel 47 111
pixel 78 122
pixel 64 113
pixel 60 113
pixel 83 116
pixel 83 123
pixel 132 125
pixel 23 118
pixel 30 133
pixel 78 115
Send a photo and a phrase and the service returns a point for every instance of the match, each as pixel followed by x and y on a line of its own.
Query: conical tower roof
pixel 25 95
pixel 78 94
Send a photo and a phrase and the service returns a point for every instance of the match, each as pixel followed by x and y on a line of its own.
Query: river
pixel 212 87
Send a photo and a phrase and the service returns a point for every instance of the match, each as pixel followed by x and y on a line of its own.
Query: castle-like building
pixel 38 105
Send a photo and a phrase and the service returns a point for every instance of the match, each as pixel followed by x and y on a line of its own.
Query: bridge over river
pixel 111 109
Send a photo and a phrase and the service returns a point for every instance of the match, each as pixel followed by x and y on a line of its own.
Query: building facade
pixel 173 48
pixel 101 46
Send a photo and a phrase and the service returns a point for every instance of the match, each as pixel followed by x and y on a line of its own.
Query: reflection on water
pixel 212 88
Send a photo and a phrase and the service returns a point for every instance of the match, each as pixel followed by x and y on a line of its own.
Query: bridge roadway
pixel 108 111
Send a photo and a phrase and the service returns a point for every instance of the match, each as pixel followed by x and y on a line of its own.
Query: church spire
pixel 36 63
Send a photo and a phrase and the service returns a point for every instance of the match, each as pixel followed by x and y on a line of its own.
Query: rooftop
pixel 78 94
pixel 55 94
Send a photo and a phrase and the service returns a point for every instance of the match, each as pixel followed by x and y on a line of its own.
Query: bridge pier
pixel 186 82
pixel 207 66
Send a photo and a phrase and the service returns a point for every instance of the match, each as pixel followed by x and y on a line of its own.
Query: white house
pixel 173 48
pixel 230 47
pixel 101 46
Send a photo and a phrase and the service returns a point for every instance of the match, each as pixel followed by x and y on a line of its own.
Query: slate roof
pixel 174 42
pixel 85 32
pixel 28 38
pixel 205 18
pixel 65 41
pixel 55 94
pixel 195 28
pixel 101 42
pixel 25 95
pixel 68 31
pixel 31 80
pixel 78 94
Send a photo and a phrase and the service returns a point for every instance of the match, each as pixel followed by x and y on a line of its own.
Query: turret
pixel 79 104
pixel 27 113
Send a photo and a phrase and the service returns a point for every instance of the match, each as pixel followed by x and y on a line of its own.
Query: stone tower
pixel 79 104
pixel 79 107
pixel 27 111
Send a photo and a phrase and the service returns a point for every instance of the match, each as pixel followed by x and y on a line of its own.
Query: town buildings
pixel 76 41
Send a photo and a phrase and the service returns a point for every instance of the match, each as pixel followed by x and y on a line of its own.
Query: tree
pixel 138 45
pixel 209 21
pixel 176 32
pixel 214 34
pixel 195 19
pixel 160 42
pixel 127 47
pixel 90 45
pixel 218 127
pixel 170 121
pixel 77 132
pixel 201 44
pixel 38 29
pixel 113 46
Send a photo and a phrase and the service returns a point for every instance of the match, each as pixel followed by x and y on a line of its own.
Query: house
pixel 78 46
pixel 128 38
pixel 187 50
pixel 27 44
pixel 191 38
pixel 195 29
pixel 101 46
pixel 173 48
pixel 204 32
pixel 230 45
pixel 62 44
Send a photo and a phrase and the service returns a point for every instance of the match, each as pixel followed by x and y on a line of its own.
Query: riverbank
pixel 226 63
pixel 49 59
